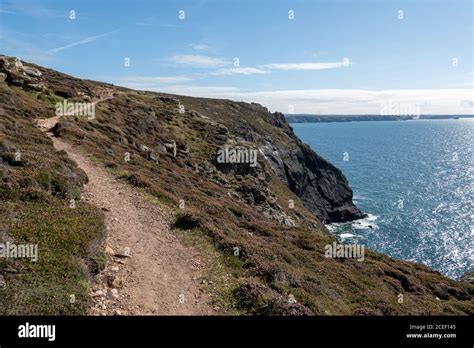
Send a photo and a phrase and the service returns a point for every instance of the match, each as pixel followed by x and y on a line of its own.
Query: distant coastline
pixel 309 118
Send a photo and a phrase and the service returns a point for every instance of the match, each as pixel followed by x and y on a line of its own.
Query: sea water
pixel 413 178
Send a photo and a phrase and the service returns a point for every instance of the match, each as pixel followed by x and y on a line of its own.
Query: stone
pixel 122 255
pixel 17 63
pixel 152 156
pixel 20 75
pixel 40 87
pixel 114 282
pixel 161 149
pixel 109 250
pixel 32 71
pixel 114 293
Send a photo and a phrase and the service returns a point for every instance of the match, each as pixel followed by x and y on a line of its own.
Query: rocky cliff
pixel 323 189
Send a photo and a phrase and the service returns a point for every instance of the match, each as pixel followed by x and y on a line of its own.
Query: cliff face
pixel 270 212
pixel 322 188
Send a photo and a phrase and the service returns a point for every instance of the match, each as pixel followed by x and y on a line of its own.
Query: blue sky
pixel 332 57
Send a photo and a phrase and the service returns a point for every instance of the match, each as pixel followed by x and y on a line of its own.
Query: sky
pixel 315 56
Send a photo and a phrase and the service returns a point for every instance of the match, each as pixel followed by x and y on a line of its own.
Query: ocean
pixel 413 178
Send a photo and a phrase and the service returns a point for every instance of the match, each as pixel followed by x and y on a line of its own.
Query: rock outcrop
pixel 320 185
pixel 14 72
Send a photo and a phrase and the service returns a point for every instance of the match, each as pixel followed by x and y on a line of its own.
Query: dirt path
pixel 149 271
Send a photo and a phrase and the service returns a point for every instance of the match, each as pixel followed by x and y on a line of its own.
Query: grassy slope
pixel 34 208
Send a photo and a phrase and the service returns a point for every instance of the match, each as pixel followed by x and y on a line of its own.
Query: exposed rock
pixel 32 71
pixel 37 87
pixel 321 186
pixel 169 100
pixel 122 255
pixel 14 72
pixel 152 156
pixel 114 293
pixel 109 250
pixel 114 282
pixel 161 149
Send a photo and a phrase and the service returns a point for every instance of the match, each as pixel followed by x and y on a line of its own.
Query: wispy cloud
pixel 8 12
pixel 150 80
pixel 181 89
pixel 23 46
pixel 78 43
pixel 307 66
pixel 240 71
pixel 336 101
pixel 198 61
pixel 354 101
pixel 202 91
pixel 201 47
pixel 30 9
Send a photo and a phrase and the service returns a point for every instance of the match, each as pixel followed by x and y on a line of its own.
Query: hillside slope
pixel 265 221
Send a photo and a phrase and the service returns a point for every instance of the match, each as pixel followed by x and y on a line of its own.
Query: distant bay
pixel 309 118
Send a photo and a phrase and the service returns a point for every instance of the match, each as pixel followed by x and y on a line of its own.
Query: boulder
pixel 14 72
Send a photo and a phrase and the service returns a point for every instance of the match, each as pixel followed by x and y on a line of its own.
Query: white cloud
pixel 348 101
pixel 328 101
pixel 241 71
pixel 146 80
pixel 189 90
pixel 307 66
pixel 198 61
pixel 203 91
pixel 77 43
pixel 336 101
pixel 200 47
